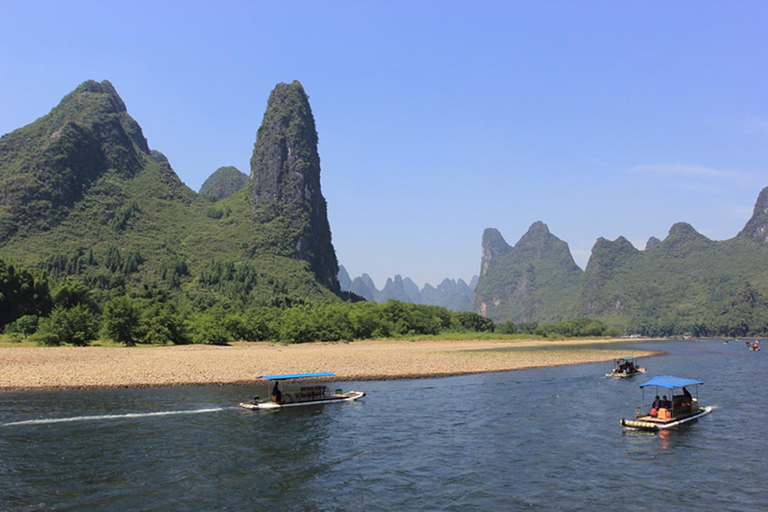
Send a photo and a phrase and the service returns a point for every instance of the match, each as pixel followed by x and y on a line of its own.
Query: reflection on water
pixel 546 438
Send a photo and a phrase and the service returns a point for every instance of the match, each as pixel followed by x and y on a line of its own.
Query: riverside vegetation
pixel 73 313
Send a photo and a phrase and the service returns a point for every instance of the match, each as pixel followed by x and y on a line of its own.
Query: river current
pixel 543 439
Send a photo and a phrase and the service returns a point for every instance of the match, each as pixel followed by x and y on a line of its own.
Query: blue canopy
pixel 296 376
pixel 669 382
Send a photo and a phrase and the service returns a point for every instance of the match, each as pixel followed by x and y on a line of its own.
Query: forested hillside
pixel 684 284
pixel 100 238
pixel 86 199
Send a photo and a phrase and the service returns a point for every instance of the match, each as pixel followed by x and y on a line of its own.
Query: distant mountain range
pixel 451 294
pixel 684 283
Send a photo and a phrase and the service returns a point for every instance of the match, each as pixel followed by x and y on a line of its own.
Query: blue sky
pixel 437 119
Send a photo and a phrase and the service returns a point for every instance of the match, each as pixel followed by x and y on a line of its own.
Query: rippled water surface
pixel 545 439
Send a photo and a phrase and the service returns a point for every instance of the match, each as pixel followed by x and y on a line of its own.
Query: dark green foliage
pixel 73 293
pixel 78 261
pixel 22 293
pixel 162 323
pixel 474 322
pixel 331 322
pixel 173 268
pixel 209 327
pixel 213 212
pixel 121 321
pixel 25 325
pixel 149 319
pixel 76 326
pixel 112 260
pixel 255 324
pixel 123 215
pixel 575 328
pixel 132 261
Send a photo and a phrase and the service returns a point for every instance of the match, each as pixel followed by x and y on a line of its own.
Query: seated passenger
pixel 666 403
pixel 655 407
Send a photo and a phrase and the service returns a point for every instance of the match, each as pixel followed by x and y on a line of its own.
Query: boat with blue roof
pixel 673 404
pixel 298 389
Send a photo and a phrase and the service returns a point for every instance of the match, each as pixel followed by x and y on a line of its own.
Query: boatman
pixel 277 395
pixel 687 401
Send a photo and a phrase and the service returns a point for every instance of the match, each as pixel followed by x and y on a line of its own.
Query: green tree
pixel 508 327
pixel 368 321
pixel 22 293
pixel 72 293
pixel 298 325
pixel 25 325
pixel 474 322
pixel 208 327
pixel 162 323
pixel 77 326
pixel 122 321
pixel 259 324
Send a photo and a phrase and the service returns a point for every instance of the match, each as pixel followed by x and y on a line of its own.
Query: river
pixel 542 439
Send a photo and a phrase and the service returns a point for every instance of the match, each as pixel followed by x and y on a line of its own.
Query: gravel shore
pixel 239 363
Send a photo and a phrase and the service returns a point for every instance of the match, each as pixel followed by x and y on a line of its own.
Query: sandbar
pixel 38 368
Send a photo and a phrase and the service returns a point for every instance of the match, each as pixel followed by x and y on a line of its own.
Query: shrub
pixel 121 321
pixel 208 327
pixel 25 325
pixel 76 326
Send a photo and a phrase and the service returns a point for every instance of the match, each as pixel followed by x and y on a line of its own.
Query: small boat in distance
pixel 297 391
pixel 624 367
pixel 668 412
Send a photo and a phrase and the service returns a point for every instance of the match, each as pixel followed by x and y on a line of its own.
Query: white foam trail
pixel 111 417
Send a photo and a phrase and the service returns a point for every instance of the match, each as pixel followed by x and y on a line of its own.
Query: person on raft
pixel 277 395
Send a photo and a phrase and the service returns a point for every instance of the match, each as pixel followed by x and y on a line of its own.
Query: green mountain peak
pixel 224 182
pixel 49 165
pixel 536 279
pixel 284 190
pixel 84 198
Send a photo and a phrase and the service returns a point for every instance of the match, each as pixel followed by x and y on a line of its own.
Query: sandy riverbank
pixel 70 367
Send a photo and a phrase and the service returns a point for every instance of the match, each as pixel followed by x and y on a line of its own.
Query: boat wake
pixel 112 416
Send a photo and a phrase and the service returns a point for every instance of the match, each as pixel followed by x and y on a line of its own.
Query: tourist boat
pixel 624 367
pixel 681 406
pixel 294 390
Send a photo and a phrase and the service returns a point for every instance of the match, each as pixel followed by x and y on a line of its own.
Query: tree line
pixel 58 311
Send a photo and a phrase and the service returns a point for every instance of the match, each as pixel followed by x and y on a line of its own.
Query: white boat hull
pixel 621 375
pixel 346 397
pixel 650 425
